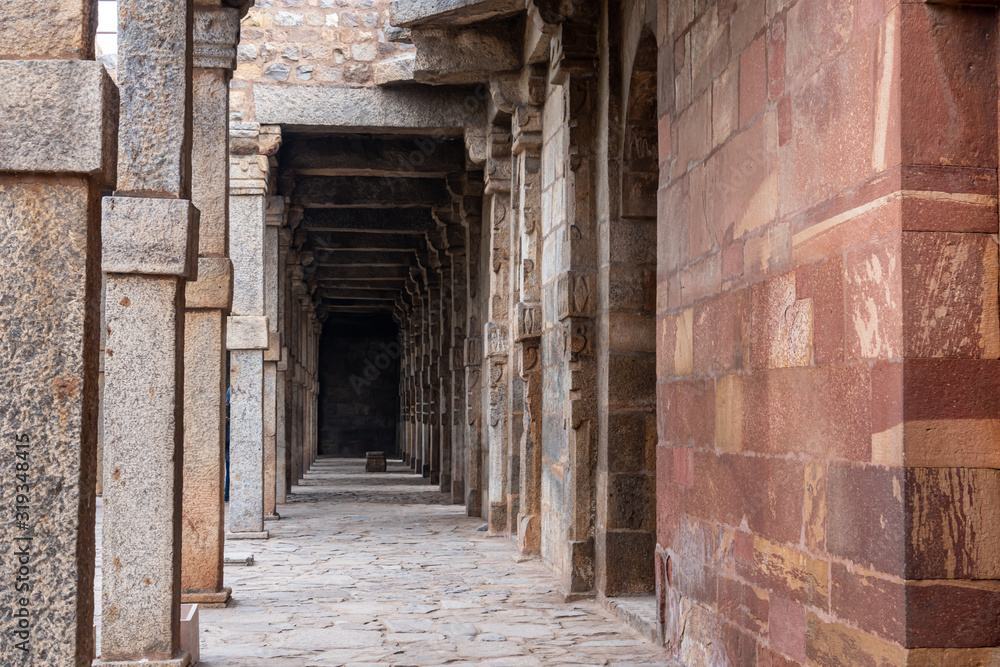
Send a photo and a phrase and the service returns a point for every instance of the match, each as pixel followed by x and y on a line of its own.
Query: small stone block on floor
pixel 375 462
pixel 238 559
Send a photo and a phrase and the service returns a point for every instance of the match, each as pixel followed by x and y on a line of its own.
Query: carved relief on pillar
pixel 497 340
pixel 529 321
pixel 527 129
pixel 576 293
pixel 216 34
pixel 578 338
pixel 473 351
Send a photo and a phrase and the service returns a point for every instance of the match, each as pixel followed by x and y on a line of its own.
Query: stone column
pixel 527 130
pixel 297 289
pixel 247 335
pixel 456 360
pixel 576 307
pixel 515 383
pixel 432 464
pixel 274 217
pixel 473 362
pixel 58 131
pixel 150 246
pixel 444 370
pixel 497 333
pixel 282 484
pixel 208 301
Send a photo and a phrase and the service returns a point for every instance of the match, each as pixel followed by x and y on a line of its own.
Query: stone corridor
pixel 678 318
pixel 381 569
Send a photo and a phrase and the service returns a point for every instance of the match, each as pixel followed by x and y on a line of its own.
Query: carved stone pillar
pixel 498 179
pixel 50 273
pixel 150 249
pixel 274 218
pixel 208 300
pixel 527 131
pixel 248 332
pixel 473 359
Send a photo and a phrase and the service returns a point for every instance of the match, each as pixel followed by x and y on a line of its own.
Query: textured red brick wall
pixel 828 333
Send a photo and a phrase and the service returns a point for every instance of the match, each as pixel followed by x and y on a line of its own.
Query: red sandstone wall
pixel 827 332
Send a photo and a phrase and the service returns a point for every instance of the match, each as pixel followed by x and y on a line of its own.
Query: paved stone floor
pixel 378 569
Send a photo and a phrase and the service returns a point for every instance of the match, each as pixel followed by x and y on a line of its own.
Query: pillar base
pixel 273 517
pixel 182 659
pixel 529 539
pixel 209 599
pixel 262 535
pixel 426 470
pixel 498 518
pixel 435 477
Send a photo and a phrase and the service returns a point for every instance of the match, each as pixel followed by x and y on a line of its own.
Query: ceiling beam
pixel 369 192
pixel 398 221
pixel 368 156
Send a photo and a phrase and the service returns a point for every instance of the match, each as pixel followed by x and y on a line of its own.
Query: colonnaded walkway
pixel 378 569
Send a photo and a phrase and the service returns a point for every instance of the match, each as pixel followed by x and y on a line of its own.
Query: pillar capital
pixel 216 34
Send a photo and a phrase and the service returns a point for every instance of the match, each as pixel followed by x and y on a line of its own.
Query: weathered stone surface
pixel 210 159
pixel 50 274
pixel 465 55
pixel 246 441
pixel 247 332
pixel 246 230
pixel 31 30
pixel 58 116
pixel 397 69
pixel 410 13
pixel 214 286
pixel 216 31
pixel 368 108
pixel 151 236
pixel 143 441
pixel 204 441
pixel 153 74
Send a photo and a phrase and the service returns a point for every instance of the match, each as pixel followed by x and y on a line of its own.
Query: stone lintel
pixel 404 109
pixel 247 332
pixel 465 55
pixel 214 286
pixel 396 69
pixel 216 33
pixel 150 236
pixel 59 116
pixel 410 13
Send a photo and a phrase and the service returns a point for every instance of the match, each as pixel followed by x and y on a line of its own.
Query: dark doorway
pixel 359 385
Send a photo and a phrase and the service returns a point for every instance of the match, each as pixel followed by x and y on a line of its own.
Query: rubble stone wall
pixel 310 43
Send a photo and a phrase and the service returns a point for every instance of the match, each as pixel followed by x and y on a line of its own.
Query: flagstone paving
pixel 380 569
